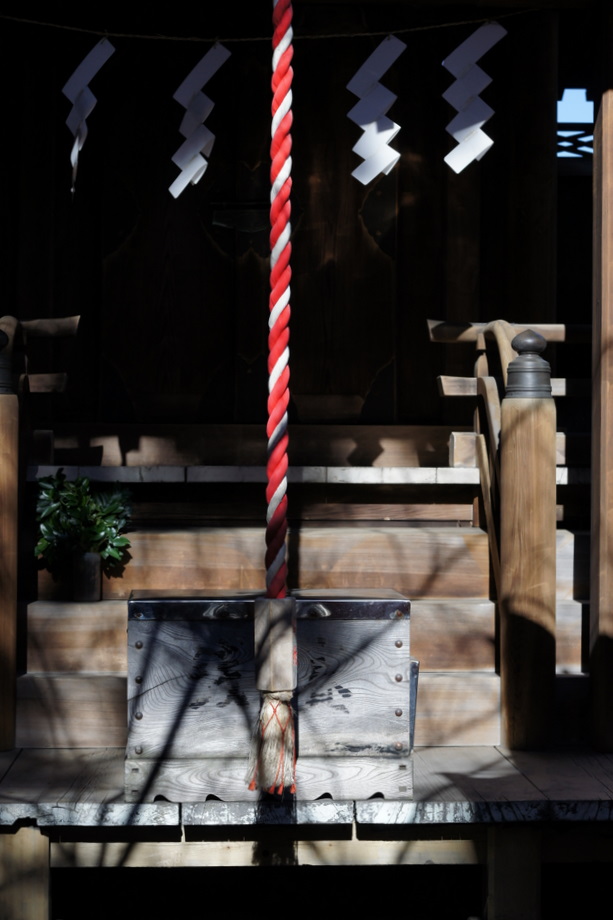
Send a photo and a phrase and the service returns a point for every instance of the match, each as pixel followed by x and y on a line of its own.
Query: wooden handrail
pixel 451 333
pixel 51 327
pixel 516 455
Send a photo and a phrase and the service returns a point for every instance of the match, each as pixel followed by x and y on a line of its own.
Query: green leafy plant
pixel 74 517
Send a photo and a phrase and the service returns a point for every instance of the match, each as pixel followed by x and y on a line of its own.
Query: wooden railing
pixel 516 455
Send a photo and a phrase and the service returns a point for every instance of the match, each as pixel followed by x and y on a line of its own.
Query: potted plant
pixel 82 527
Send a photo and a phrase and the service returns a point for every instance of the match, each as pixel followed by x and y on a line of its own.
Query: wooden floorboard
pixel 448 781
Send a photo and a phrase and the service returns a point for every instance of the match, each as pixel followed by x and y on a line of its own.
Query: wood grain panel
pixel 437 561
pixel 77 637
pixel 453 634
pixel 68 710
pixel 458 709
pixel 89 710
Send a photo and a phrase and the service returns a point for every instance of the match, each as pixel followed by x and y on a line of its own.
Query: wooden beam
pixel 442 331
pixel 247 853
pixel 24 875
pixel 467 386
pixel 49 328
pixel 601 616
pixel 47 383
pixel 513 873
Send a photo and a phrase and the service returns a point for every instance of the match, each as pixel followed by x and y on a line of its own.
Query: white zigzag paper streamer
pixel 463 95
pixel 82 98
pixel 190 157
pixel 370 112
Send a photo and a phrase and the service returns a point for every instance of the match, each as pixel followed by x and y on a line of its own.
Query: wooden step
pixel 74 694
pixel 430 561
pixel 459 634
pixel 447 634
pixel 417 562
pixel 90 710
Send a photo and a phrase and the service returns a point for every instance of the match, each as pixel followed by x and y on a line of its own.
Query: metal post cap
pixel 529 375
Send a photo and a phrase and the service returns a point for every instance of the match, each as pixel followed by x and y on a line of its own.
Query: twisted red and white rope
pixel 279 303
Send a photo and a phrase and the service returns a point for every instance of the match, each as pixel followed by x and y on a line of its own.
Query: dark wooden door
pixel 173 294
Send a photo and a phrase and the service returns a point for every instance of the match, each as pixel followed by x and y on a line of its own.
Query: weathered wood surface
pixel 571 449
pixel 193 706
pixel 452 708
pixel 70 636
pixel 458 708
pixel 601 624
pixel 438 561
pixel 342 778
pixel 447 634
pixel 76 787
pixel 527 570
pixel 453 785
pixel 458 634
pixel 433 561
pixel 453 634
pixel 68 710
pixel 87 710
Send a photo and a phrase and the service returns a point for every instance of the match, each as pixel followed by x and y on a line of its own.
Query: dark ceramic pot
pixel 87 577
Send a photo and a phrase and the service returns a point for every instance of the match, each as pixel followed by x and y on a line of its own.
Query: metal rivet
pixel 399 745
pixel 138 749
pixel 138 644
pixel 398 678
pixel 398 712
pixel 138 614
pixel 398 614
pixel 138 679
pixel 399 643
pixel 138 715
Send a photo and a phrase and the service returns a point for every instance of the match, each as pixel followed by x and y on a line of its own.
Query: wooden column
pixel 513 872
pixel 24 875
pixel 601 582
pixel 527 554
pixel 9 453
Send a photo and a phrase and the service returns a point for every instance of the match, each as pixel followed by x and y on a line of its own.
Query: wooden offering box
pixel 193 704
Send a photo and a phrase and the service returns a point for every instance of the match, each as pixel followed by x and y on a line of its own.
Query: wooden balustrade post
pixel 9 456
pixel 527 548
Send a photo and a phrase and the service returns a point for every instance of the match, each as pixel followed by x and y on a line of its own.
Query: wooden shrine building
pixel 133 349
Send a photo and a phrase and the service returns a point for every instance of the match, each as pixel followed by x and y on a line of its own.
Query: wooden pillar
pixel 527 551
pixel 24 875
pixel 513 872
pixel 9 458
pixel 601 579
